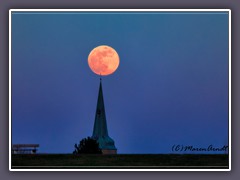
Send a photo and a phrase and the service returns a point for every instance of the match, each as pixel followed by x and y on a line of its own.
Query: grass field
pixel 120 161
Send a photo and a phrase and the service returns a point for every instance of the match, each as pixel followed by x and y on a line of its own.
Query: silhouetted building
pixel 100 131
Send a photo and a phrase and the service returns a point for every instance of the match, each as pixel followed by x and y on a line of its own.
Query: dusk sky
pixel 170 88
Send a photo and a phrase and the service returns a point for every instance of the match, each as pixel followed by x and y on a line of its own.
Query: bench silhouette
pixel 24 148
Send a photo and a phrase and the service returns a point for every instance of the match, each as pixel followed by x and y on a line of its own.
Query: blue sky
pixel 171 86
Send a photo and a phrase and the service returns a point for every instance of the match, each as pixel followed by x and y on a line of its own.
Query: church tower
pixel 100 131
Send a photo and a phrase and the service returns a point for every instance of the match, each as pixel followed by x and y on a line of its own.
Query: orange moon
pixel 103 60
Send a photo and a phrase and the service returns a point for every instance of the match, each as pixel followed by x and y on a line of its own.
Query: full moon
pixel 103 60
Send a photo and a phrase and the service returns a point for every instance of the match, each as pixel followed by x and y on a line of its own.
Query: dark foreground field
pixel 120 161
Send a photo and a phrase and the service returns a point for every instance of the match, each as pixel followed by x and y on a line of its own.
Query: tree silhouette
pixel 87 146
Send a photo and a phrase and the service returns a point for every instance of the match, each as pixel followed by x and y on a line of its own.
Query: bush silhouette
pixel 87 146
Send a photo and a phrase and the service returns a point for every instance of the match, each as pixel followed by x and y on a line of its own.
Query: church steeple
pixel 100 124
pixel 100 131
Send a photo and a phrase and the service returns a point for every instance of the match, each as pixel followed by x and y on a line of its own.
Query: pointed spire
pixel 100 131
pixel 100 124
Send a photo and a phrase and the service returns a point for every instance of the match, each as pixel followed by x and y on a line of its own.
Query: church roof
pixel 100 131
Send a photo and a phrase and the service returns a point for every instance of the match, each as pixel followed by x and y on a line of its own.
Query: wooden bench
pixel 24 148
